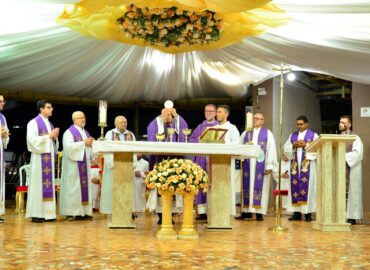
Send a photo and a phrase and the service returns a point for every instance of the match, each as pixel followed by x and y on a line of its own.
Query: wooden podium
pixel 219 189
pixel 331 182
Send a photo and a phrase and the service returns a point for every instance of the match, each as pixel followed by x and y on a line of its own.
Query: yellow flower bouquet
pixel 177 175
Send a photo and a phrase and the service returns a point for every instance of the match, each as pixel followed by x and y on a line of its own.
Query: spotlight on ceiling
pixel 291 76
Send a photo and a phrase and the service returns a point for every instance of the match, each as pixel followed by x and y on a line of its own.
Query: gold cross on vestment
pixel 246 174
pixel 304 179
pixel 303 192
pixel 46 158
pixel 295 194
pixel 46 170
pixel 259 176
pixel 47 183
pixel 294 182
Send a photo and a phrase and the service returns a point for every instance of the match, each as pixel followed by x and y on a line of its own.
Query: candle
pixel 248 121
pixel 102 112
pixel 103 116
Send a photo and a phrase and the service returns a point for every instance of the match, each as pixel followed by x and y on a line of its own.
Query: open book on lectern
pixel 213 135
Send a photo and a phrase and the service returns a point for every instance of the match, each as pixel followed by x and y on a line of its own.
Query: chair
pixel 21 189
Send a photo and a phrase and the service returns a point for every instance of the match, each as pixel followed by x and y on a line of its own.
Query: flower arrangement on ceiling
pixel 173 26
pixel 177 175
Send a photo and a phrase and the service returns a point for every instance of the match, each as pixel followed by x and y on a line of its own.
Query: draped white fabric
pixel 36 54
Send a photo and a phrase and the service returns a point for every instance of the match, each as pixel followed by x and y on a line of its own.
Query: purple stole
pixel 2 164
pixel 128 136
pixel 46 165
pixel 259 173
pixel 299 179
pixel 82 166
pixel 2 120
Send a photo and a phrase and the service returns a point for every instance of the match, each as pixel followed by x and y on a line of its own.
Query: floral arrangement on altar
pixel 177 175
pixel 171 26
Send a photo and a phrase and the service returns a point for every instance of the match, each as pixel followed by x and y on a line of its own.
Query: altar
pixel 219 187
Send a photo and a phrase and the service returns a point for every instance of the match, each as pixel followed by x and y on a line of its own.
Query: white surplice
pixel 3 144
pixel 95 188
pixel 107 182
pixel 139 185
pixel 232 137
pixel 270 164
pixel 311 196
pixel 353 160
pixel 38 145
pixel 70 185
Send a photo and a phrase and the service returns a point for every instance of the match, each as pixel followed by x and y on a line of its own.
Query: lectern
pixel 331 182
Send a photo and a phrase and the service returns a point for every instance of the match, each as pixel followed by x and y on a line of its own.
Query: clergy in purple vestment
pixel 160 125
pixel 210 111
pixel 302 188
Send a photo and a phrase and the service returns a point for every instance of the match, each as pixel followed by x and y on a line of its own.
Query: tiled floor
pixel 251 245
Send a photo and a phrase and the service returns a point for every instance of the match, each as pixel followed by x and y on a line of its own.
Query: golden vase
pixel 187 229
pixel 167 231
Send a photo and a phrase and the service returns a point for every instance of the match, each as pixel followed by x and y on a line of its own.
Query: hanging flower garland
pixel 171 26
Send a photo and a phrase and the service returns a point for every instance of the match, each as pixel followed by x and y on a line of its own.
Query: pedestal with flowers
pixel 177 176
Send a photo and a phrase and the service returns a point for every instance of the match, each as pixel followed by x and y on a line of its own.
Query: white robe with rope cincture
pixel 270 164
pixel 3 144
pixel 354 201
pixel 107 182
pixel 232 137
pixel 70 185
pixel 38 145
pixel 311 197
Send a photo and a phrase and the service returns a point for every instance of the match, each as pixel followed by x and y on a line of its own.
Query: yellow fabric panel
pixel 98 19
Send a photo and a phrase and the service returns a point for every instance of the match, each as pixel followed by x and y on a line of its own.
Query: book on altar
pixel 213 135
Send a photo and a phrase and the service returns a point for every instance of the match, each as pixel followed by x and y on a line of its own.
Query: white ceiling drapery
pixel 36 54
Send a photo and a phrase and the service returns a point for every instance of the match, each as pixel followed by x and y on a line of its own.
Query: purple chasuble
pixel 201 198
pixel 82 166
pixel 299 179
pixel 259 173
pixel 152 130
pixel 46 164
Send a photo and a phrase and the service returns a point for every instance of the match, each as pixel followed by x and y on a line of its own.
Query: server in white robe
pixel 257 173
pixel 95 184
pixel 119 133
pixel 41 138
pixel 75 184
pixel 354 158
pixel 141 167
pixel 3 144
pixel 232 137
pixel 302 188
